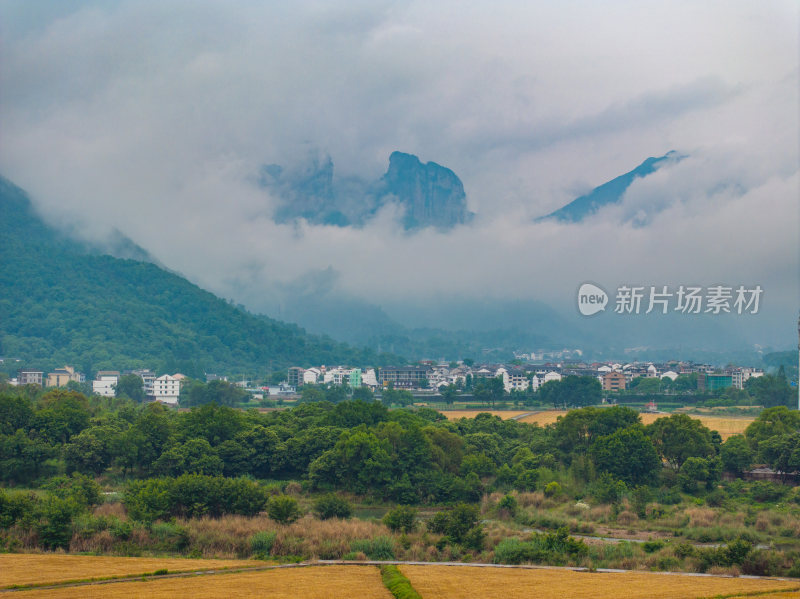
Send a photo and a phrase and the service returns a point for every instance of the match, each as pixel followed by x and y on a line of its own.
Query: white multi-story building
pixel 739 376
pixel 166 389
pixel 148 377
pixel 311 376
pixel 105 383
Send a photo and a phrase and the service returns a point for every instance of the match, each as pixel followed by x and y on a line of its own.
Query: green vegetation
pixel 110 475
pixel 398 585
pixel 62 302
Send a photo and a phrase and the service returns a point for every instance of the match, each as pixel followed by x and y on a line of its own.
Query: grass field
pixel 725 425
pixel 316 582
pixel 447 582
pixel 32 568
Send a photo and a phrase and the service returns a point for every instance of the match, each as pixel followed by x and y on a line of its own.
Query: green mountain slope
pixel 63 302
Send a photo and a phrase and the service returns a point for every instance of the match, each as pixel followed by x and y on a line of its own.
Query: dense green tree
pixel 402 518
pixel 449 394
pixel 396 397
pixel 680 437
pixel 571 391
pixel 736 454
pixel 283 509
pixel 779 420
pixel 219 392
pixel 92 450
pixel 363 394
pixel 771 390
pixel 212 422
pixel 781 452
pixel 15 413
pixel 626 454
pixel 697 473
pixel 645 385
pixel 312 393
pixel 23 459
pixel 130 386
pixel 331 505
pixel 62 414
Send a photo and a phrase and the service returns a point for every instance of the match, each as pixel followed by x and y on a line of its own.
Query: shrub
pixel 549 548
pixel 606 489
pixel 261 543
pixel 508 503
pixel 192 495
pixel 438 524
pixel 402 518
pixel 765 491
pixel 15 507
pixel 552 489
pixel 332 506
pixel 652 546
pixel 378 548
pixel 514 551
pixel 54 521
pixel 398 585
pixel 283 509
pixel 84 490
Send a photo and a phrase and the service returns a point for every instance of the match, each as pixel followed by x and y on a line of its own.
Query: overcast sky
pixel 153 117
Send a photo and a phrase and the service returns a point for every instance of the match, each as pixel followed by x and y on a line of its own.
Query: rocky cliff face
pixel 430 195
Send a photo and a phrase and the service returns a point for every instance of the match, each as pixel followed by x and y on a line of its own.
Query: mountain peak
pixel 429 194
pixel 608 193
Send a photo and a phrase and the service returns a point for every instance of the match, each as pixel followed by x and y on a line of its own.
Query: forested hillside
pixel 63 302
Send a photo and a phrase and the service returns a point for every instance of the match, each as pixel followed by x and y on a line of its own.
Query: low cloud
pixel 153 119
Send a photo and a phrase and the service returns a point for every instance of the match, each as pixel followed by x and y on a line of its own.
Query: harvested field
pixel 33 568
pixel 313 582
pixel 543 418
pixel 726 426
pixel 504 414
pixel 447 582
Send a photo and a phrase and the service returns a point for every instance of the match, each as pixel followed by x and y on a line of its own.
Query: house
pixel 614 381
pixel 403 377
pixel 28 376
pixel 166 389
pixel 147 376
pixel 311 376
pixel 61 376
pixel 295 376
pixel 105 383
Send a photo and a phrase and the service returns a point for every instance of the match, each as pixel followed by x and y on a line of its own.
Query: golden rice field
pixel 725 425
pixel 448 582
pixel 504 414
pixel 33 568
pixel 315 582
pixel 361 581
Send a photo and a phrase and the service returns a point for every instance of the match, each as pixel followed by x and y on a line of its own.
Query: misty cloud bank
pixel 154 118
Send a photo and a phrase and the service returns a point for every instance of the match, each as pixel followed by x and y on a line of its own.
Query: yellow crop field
pixel 543 418
pixel 312 582
pixel 725 426
pixel 504 414
pixel 449 582
pixel 32 568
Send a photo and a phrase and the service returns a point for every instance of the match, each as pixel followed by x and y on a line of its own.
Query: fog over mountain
pixel 249 147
